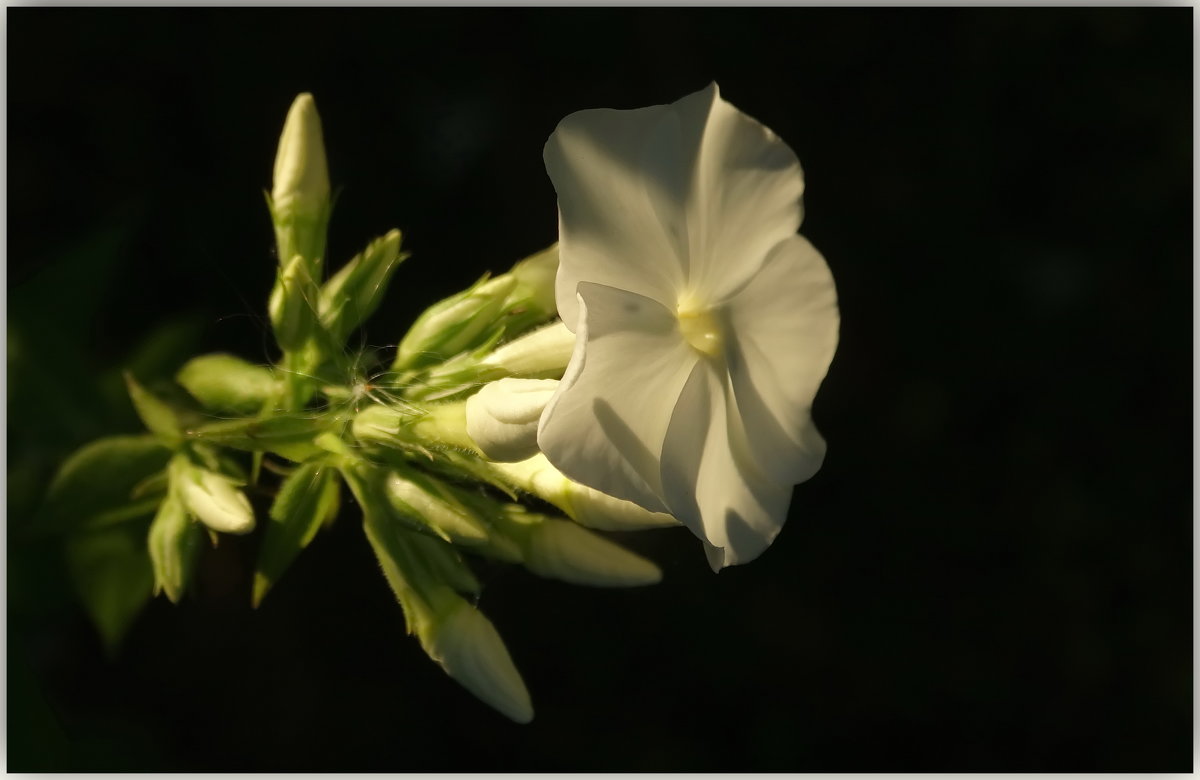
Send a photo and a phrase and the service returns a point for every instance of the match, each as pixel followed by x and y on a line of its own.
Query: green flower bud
pixel 301 181
pixel 535 277
pixel 228 384
pixel 428 501
pixel 174 542
pixel 211 497
pixel 468 647
pixel 292 306
pixel 455 324
pixel 300 199
pixel 354 292
pixel 562 550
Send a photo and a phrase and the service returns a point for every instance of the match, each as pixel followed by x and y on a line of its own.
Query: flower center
pixel 700 329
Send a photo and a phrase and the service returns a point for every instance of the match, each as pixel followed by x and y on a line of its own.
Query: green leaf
pixel 156 414
pixel 100 478
pixel 174 542
pixel 308 498
pixel 113 576
pixel 228 384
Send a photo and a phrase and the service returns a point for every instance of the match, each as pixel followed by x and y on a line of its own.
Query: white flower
pixel 704 324
pixel 502 418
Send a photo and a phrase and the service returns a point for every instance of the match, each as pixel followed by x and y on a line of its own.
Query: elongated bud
pixel 228 384
pixel 301 180
pixel 562 550
pixel 292 305
pixel 211 497
pixel 502 418
pixel 468 647
pixel 300 200
pixel 542 353
pixel 174 543
pixel 535 281
pixel 426 500
pixel 455 324
pixel 584 505
pixel 354 292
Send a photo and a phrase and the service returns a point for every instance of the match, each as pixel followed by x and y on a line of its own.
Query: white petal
pixel 605 426
pixel 705 479
pixel 667 201
pixel 784 330
pixel 622 179
pixel 746 196
pixel 502 418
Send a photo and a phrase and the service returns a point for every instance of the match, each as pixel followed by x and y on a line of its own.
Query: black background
pixel 991 572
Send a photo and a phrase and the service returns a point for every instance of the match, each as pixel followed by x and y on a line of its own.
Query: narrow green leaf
pixel 308 498
pixel 101 477
pixel 113 576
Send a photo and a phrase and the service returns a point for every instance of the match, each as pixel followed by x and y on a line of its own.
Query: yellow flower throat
pixel 700 328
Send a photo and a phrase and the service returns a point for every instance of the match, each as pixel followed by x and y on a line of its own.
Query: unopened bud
pixel 229 384
pixel 354 292
pixel 502 418
pixel 454 324
pixel 212 498
pixel 584 505
pixel 542 353
pixel 468 647
pixel 562 550
pixel 424 499
pixel 535 281
pixel 174 543
pixel 301 181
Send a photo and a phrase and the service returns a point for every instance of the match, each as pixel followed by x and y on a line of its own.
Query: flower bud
pixel 354 292
pixel 584 505
pixel 562 550
pixel 174 543
pixel 535 281
pixel 502 418
pixel 212 498
pixel 228 384
pixel 454 324
pixel 544 352
pixel 292 305
pixel 426 500
pixel 301 181
pixel 468 647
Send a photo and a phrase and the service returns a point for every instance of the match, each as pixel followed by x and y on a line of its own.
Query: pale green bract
pixel 439 444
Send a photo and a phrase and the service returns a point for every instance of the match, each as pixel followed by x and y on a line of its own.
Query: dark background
pixel 991 572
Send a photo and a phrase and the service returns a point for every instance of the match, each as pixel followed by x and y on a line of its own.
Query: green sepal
pixel 355 291
pixel 175 541
pixel 158 416
pixel 225 383
pixel 113 576
pixel 308 498
pixel 101 478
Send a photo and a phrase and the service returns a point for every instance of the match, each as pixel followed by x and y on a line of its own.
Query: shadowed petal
pixel 705 479
pixel 605 425
pixel 784 327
